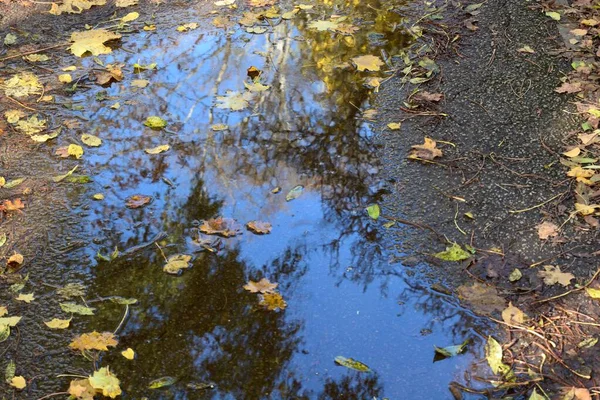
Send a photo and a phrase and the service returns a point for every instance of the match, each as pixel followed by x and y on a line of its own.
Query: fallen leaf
pixel 577 394
pixel 547 229
pixel 140 83
pixel 12 205
pixel 162 382
pixel 425 151
pixel 234 101
pixel 453 253
pixel 187 27
pixel 132 16
pixel 137 68
pixel 18 382
pixel 586 209
pixel 36 57
pixel 15 260
pixel 92 41
pixel 81 389
pixel 554 15
pixel 526 49
pixel 352 364
pixel 294 193
pixel 593 293
pixel 569 88
pixel 322 25
pixel 158 149
pixel 493 355
pixel 426 96
pixel 128 354
pixel 98 196
pixel 10 39
pixel 91 140
pixel 368 63
pixel 176 263
pixel 273 301
pixel 262 286
pixel 512 315
pixel 65 78
pixel 76 309
pixel 515 275
pixel 256 86
pixel 259 227
pixel 56 323
pixel 31 125
pixel 60 178
pixel 373 211
pixel 94 341
pixel 155 122
pixel 483 299
pixel 74 6
pixel 226 227
pixel 587 343
pixel 394 125
pixel 27 298
pixel 553 275
pixel 451 351
pixel 138 200
pixel 3 311
pixel 104 380
pixel 574 152
pixel 22 85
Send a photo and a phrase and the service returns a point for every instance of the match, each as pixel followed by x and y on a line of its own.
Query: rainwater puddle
pixel 344 298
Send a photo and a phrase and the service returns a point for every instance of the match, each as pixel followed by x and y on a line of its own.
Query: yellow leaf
pixel 394 125
pixel 128 354
pixel 27 298
pixel 91 140
pixel 367 63
pixel 75 150
pixel 98 196
pixel 132 16
pixel 585 209
pixel 69 68
pixel 158 149
pixel 116 106
pixel 125 3
pixel 425 151
pixel 22 85
pixel 574 152
pixel 104 380
pixel 512 315
pixel 74 6
pixel 13 116
pixel 187 27
pixel 581 175
pixel 18 382
pixel 3 311
pixel 141 83
pixel 65 78
pixel 56 323
pixel 92 41
pixel 81 389
pixel 553 275
pixel 94 341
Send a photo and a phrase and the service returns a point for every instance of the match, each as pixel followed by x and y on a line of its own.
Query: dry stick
pixel 21 104
pixel 537 205
pixel 570 291
pixel 33 51
pixel 524 330
pixel 561 362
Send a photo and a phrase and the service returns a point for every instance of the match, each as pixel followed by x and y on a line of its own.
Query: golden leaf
pixel 94 341
pixel 262 286
pixel 273 301
pixel 367 63
pixel 425 151
pixel 92 41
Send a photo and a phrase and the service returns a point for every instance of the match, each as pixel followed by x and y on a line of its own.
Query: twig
pixel 33 51
pixel 21 104
pixel 123 319
pixel 537 205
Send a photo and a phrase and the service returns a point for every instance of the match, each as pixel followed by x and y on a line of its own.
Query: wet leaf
pixel 123 300
pixel 13 183
pixel 140 83
pixel 512 315
pixel 65 78
pixel 219 127
pixel 158 149
pixel 22 85
pixel 294 193
pixel 593 293
pixel 256 86
pixel 481 298
pixel 554 15
pixel 493 355
pixel 155 122
pixel 44 138
pixel 12 205
pixel 526 49
pixel 36 57
pixel 367 63
pixel 137 68
pixel 176 263
pixel 59 178
pixel 451 351
pixel 425 151
pixel 10 39
pixel 92 41
pixel 426 96
pixel 3 238
pixel 12 116
pixel 322 25
pixel 128 354
pixel 56 323
pixel 132 16
pixel 234 101
pixel 453 253
pixel 71 150
pixel 71 290
pixel 138 200
pixel 91 140
pixel 18 382
pixel 81 389
pixel 74 6
pixel 98 196
pixel 259 227
pixel 94 341
pixel 587 343
pixel 515 275
pixel 536 396
pixel 226 227
pixel 76 309
pixel 187 27
pixel 104 380
pixel 4 332
pixel 9 321
pixel 31 125
pixel 373 211
pixel 553 275
pixel 547 229
pixel 27 298
pixel 352 364
pixel 10 370
pixel 273 301
pixel 162 382
pixel 262 286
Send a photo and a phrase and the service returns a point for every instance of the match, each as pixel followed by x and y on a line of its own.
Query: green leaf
pixel 162 382
pixel 554 15
pixel 2 239
pixel 4 332
pixel 453 253
pixel 91 140
pixel 352 364
pixel 10 370
pixel 123 300
pixel 294 193
pixel 76 309
pixel 587 343
pixel 451 351
pixel 59 178
pixel 515 275
pixel 155 122
pixel 373 211
pixel 104 380
pixel 10 321
pixel 493 355
pixel 13 183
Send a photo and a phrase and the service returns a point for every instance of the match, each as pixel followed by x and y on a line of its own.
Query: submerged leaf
pixel 128 354
pixel 176 263
pixel 155 122
pixel 234 101
pixel 259 227
pixel 94 341
pixel 493 355
pixel 226 227
pixel 352 364
pixel 91 140
pixel 483 299
pixel 273 301
pixel 453 253
pixel 162 382
pixel 76 309
pixel 373 211
pixel 294 193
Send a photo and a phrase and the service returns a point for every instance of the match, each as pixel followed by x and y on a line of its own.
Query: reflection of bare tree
pixel 356 386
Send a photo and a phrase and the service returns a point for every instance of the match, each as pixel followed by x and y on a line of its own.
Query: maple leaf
pixel 367 63
pixel 94 341
pixel 104 380
pixel 547 229
pixel 553 275
pixel 31 125
pixel 14 205
pixel 273 301
pixel 22 85
pixel 262 286
pixel 234 101
pixel 92 41
pixel 259 227
pixel 425 151
pixel 74 6
pixel 226 227
pixel 81 389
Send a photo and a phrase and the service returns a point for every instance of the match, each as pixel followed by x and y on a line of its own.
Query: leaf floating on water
pixel 128 354
pixel 92 41
pixel 94 341
pixel 294 193
pixel 91 140
pixel 137 68
pixel 59 178
pixel 352 364
pixel 226 227
pixel 123 300
pixel 234 101
pixel 74 6
pixel 373 211
pixel 553 275
pixel 368 63
pixel 138 200
pixel 273 301
pixel 322 25
pixel 56 323
pixel 140 83
pixel 451 351
pixel 104 380
pixel 155 122
pixel 262 286
pixel 132 16
pixel 81 389
pixel 219 127
pixel 22 85
pixel 176 263
pixel 187 27
pixel 162 382
pixel 76 309
pixel 453 253
pixel 158 149
pixel 259 227
pixel 10 321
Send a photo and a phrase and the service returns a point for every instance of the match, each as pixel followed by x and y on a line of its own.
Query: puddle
pixel 344 298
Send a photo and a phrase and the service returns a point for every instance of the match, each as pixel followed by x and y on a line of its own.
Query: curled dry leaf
pixel 425 151
pixel 15 260
pixel 259 227
pixel 94 341
pixel 262 286
pixel 226 227
pixel 547 229
pixel 138 200
pixel 426 96
pixel 12 205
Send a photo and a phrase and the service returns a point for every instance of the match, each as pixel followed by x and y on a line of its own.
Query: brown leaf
pixel 576 394
pixel 253 72
pixel 273 301
pixel 553 275
pixel 94 341
pixel 112 73
pixel 483 299
pixel 259 227
pixel 15 261
pixel 426 96
pixel 262 286
pixel 512 315
pixel 226 227
pixel 12 205
pixel 569 88
pixel 547 229
pixel 425 151
pixel 138 200
pixel 81 389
